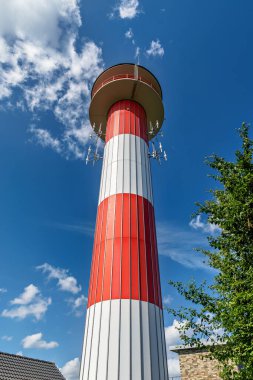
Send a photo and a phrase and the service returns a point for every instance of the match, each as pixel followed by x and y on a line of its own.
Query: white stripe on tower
pixel 124 334
pixel 126 168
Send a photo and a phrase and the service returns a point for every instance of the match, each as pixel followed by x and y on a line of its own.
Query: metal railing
pixel 123 76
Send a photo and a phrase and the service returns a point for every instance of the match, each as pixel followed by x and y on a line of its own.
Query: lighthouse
pixel 124 332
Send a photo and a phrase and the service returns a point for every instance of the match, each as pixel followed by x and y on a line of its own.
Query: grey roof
pixel 203 347
pixel 23 368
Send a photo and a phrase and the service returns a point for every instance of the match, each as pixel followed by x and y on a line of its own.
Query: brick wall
pixel 197 365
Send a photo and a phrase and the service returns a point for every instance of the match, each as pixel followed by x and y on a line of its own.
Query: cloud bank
pixel 126 9
pixel 29 303
pixel 36 341
pixel 71 369
pixel 65 282
pixel 41 68
pixel 179 245
pixel 155 49
pixel 197 224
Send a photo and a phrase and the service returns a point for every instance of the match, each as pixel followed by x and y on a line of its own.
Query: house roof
pixel 181 349
pixel 23 368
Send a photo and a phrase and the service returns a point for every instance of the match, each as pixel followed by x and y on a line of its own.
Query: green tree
pixel 223 311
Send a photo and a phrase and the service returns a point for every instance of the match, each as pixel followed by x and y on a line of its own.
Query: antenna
pixel 157 152
pixel 92 153
pixel 136 72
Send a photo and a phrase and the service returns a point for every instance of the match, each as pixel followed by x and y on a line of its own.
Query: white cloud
pixel 28 295
pixel 45 139
pixel 173 365
pixel 36 341
pixel 3 290
pixel 127 9
pixel 172 335
pixel 26 19
pixel 40 63
pixel 78 305
pixel 197 224
pixel 172 338
pixel 83 228
pixel 19 353
pixel 7 338
pixel 69 284
pixel 65 282
pixel 30 303
pixel 167 300
pixel 129 34
pixel 155 49
pixel 179 244
pixel 71 369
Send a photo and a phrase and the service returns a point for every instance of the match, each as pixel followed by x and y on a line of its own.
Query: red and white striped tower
pixel 124 334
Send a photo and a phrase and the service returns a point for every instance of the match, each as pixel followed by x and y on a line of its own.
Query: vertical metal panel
pixel 133 148
pixel 142 252
pixel 135 291
pixel 95 341
pixel 107 269
pixel 125 346
pixel 84 351
pixel 109 171
pixel 102 181
pixel 133 169
pixel 143 170
pixel 101 254
pixel 114 168
pixel 120 176
pixel 115 144
pixel 127 177
pixel 88 344
pixel 103 341
pixel 140 190
pixel 125 260
pixel 153 342
pixel 149 185
pixel 138 143
pixel 94 270
pixel 148 254
pixel 146 353
pixel 159 331
pixel 149 178
pixel 121 146
pixel 135 341
pixel 127 146
pixel 164 352
pixel 114 341
pixel 153 254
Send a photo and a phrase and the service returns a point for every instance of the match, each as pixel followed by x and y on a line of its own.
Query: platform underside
pixel 127 89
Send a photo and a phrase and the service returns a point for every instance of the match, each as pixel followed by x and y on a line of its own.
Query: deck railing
pixel 123 76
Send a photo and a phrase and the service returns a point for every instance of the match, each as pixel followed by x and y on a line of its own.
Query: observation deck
pixel 126 81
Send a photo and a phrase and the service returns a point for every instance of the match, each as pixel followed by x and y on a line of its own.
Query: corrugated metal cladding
pixel 124 334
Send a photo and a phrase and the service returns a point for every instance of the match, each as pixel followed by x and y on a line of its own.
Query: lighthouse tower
pixel 124 333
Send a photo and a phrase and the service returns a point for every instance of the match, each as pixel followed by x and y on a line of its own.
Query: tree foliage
pixel 223 312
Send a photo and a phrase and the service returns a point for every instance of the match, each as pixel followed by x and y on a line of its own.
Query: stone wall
pixel 197 365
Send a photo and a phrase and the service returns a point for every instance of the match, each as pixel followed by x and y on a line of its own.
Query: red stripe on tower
pixel 124 334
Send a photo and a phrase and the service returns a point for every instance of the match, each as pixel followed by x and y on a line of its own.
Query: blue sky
pixel 50 53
